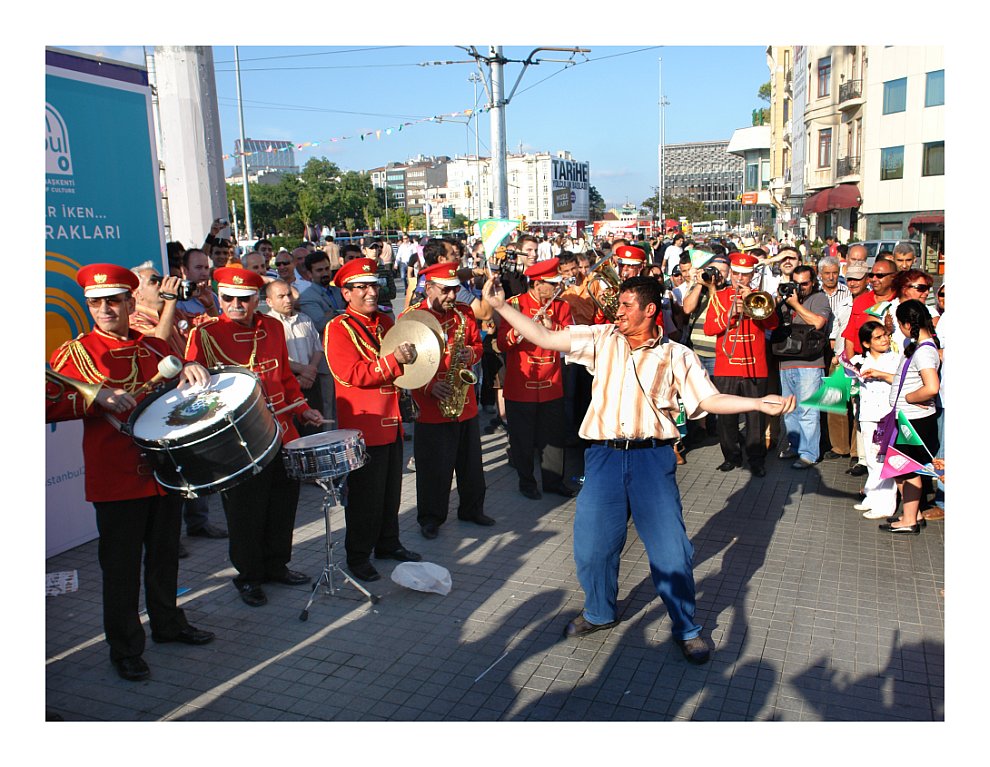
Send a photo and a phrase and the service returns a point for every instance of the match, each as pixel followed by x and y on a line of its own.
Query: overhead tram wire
pixel 318 53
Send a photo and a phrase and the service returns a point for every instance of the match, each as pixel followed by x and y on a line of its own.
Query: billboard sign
pixel 573 178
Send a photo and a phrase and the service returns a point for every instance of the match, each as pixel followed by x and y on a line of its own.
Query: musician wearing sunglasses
pixel 534 387
pixel 135 518
pixel 630 464
pixel 368 400
pixel 261 511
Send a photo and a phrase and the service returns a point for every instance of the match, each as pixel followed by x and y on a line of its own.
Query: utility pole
pixel 663 103
pixel 244 173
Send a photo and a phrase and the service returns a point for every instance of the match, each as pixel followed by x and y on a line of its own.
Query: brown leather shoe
pixel 581 626
pixel 694 649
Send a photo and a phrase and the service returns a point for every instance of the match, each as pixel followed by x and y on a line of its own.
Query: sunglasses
pixel 879 275
pixel 920 288
pixel 282 263
pixel 231 299
pixel 111 300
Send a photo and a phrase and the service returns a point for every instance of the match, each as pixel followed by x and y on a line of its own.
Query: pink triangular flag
pixel 896 464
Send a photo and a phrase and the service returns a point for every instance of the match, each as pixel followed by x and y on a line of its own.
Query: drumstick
pixel 293 406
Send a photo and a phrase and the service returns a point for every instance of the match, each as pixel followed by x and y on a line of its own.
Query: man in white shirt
pixel 302 340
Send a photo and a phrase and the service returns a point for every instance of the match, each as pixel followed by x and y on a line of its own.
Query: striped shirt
pixel 841 304
pixel 619 409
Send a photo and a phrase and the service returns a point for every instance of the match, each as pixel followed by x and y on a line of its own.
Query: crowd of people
pixel 606 361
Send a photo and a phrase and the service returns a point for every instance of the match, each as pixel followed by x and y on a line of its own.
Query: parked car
pixel 876 246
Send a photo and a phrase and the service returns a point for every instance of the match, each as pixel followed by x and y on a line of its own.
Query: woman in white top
pixel 877 365
pixel 918 401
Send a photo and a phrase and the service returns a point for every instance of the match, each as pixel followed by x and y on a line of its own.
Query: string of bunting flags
pixel 377 133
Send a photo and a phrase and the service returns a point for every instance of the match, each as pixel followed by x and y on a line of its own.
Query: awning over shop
pixel 836 198
pixel 919 221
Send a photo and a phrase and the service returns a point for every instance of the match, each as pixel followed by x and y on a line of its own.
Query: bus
pixel 720 225
pixel 701 227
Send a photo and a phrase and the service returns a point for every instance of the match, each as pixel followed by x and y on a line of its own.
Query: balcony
pixel 847 166
pixel 850 94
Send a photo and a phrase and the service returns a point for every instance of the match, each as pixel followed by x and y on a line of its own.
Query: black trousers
pixel 130 530
pixel 729 438
pixel 537 427
pixel 372 510
pixel 443 450
pixel 261 515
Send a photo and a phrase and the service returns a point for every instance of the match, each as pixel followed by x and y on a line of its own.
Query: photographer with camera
pixel 799 344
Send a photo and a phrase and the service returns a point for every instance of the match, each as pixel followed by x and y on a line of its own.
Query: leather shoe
pixel 252 595
pixel 188 635
pixel 581 626
pixel 401 555
pixel 695 650
pixel 728 466
pixel 758 471
pixel 429 531
pixel 207 531
pixel 132 669
pixel 914 529
pixel 858 470
pixel 290 578
pixel 479 519
pixel 786 454
pixel 531 493
pixel 801 463
pixel 832 455
pixel 364 571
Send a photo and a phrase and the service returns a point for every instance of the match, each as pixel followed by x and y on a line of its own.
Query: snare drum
pixel 204 440
pixel 326 455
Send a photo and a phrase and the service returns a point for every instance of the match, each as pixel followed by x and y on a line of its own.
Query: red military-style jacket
pixel 429 405
pixel 115 467
pixel 259 347
pixel 744 338
pixel 366 395
pixel 532 373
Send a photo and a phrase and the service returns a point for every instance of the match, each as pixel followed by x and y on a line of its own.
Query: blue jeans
pixel 804 424
pixel 643 481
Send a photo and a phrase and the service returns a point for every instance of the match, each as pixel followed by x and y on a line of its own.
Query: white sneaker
pixel 861 507
pixel 871 514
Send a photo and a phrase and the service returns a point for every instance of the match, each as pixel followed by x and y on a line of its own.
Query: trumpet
pixel 757 305
pixel 87 390
pixel 564 285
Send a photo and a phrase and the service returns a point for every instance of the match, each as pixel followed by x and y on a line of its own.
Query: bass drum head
pixel 176 415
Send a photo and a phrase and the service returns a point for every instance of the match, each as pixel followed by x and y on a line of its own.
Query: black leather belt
pixel 633 444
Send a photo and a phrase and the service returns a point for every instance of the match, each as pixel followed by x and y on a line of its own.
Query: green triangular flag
pixel 906 435
pixel 833 395
pixel 699 257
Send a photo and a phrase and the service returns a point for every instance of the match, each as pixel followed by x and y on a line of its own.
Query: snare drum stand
pixel 331 489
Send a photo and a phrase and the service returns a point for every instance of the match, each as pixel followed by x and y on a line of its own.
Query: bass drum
pixel 204 440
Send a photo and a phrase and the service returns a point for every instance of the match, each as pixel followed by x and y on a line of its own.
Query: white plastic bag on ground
pixel 423 576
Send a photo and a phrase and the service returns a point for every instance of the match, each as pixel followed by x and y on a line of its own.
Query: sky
pixel 603 108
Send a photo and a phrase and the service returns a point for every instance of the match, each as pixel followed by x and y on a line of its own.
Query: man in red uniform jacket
pixel 368 401
pixel 261 510
pixel 740 363
pixel 534 389
pixel 445 446
pixel 134 516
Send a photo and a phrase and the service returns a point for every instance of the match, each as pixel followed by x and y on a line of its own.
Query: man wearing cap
pixel 135 518
pixel 630 466
pixel 740 363
pixel 534 389
pixel 629 262
pixel 261 510
pixel 443 446
pixel 367 400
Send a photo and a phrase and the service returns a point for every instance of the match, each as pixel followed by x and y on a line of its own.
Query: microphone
pixel 168 367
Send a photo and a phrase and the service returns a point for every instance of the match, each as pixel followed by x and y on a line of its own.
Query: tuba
pixel 608 300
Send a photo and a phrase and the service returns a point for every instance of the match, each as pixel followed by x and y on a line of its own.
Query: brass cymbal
pixel 428 352
pixel 426 318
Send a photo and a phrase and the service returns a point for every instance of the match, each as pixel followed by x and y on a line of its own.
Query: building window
pixel 894 96
pixel 752 176
pixel 891 163
pixel 935 88
pixel 933 161
pixel 825 148
pixel 824 76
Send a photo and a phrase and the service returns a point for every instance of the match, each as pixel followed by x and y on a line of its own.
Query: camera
pixel 710 274
pixel 786 289
pixel 187 289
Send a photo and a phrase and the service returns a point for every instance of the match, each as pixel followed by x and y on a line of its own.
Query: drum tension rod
pixel 256 469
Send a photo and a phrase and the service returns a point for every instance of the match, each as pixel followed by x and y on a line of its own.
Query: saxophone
pixel 458 376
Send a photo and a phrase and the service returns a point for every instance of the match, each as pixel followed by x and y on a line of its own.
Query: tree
pixel 764 92
pixel 596 204
pixel 675 207
pixel 650 203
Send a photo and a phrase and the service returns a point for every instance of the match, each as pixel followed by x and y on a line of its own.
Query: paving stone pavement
pixel 814 616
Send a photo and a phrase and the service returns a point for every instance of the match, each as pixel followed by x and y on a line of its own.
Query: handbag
pixel 798 342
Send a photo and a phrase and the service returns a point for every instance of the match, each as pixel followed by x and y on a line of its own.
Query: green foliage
pixel 764 92
pixel 596 204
